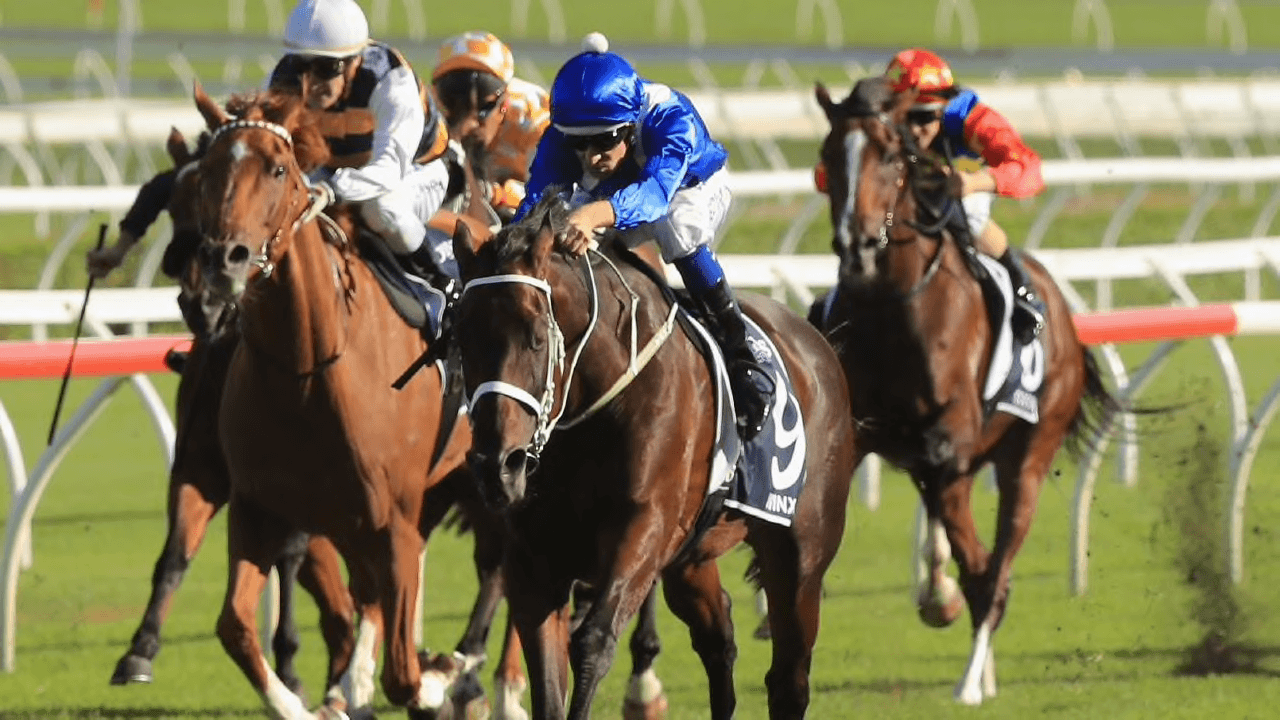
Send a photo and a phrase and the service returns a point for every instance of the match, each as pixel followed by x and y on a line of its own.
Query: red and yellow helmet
pixel 920 70
pixel 476 50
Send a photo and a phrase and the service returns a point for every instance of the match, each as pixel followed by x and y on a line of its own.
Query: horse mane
pixel 287 110
pixel 515 240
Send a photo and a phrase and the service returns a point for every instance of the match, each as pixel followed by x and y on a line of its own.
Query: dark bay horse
pixel 909 323
pixel 578 367
pixel 314 436
pixel 198 481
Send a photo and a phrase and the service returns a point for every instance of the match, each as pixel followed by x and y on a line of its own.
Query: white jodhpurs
pixel 977 211
pixel 400 216
pixel 693 219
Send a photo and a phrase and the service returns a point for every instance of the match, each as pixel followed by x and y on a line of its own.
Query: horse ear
pixel 824 99
pixel 176 145
pixel 213 115
pixel 464 250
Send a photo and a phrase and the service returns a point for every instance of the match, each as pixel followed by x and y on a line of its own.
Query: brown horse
pixel 198 482
pixel 314 436
pixel 575 367
pixel 909 323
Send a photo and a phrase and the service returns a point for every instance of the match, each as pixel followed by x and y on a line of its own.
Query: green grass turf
pixel 1113 652
pixel 1001 23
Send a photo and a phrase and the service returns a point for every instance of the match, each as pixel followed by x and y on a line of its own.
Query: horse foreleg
pixel 190 508
pixel 255 540
pixel 544 635
pixel 645 699
pixel 1019 476
pixel 509 682
pixel 286 641
pixel 973 559
pixel 694 593
pixel 396 550
pixel 468 693
pixel 320 574
pixel 939 601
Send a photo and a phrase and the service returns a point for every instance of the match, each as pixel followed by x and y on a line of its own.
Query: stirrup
pixel 1028 318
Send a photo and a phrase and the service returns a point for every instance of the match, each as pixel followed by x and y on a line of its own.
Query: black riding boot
pixel 424 266
pixel 1028 308
pixel 751 385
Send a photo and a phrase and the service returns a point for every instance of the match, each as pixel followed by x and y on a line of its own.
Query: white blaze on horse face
pixel 853 142
pixel 239 151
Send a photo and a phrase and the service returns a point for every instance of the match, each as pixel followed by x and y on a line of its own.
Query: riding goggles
pixel 922 117
pixel 600 141
pixel 319 66
pixel 486 107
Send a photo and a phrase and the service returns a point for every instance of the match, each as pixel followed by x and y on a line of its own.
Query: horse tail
pixel 1097 411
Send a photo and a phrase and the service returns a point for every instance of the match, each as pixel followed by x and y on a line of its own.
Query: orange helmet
pixel 476 50
pixel 921 70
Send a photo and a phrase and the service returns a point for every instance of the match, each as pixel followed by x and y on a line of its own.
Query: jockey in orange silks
pixel 497 117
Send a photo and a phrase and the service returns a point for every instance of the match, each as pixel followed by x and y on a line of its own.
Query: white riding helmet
pixel 333 28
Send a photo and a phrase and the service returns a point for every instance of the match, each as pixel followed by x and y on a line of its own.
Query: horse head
pixel 513 350
pixel 884 190
pixel 252 191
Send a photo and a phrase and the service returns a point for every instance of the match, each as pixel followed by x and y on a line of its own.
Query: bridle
pixel 907 159
pixel 555 395
pixel 262 258
pixel 311 210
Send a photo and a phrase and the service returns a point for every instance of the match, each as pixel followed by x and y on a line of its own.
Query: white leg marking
pixel 644 688
pixel 357 682
pixel 281 702
pixel 433 689
pixel 508 699
pixel 969 691
pixel 989 673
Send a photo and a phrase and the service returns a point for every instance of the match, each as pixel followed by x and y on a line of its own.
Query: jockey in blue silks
pixel 640 160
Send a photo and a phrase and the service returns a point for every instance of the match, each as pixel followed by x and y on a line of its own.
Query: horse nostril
pixel 517 461
pixel 238 255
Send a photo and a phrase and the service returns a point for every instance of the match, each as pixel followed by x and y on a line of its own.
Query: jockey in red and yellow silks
pixel 952 121
pixel 989 157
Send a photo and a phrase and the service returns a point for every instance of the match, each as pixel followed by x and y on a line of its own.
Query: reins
pixel 311 211
pixel 543 407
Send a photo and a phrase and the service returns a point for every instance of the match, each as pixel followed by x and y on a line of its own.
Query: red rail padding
pixel 1166 323
pixel 93 357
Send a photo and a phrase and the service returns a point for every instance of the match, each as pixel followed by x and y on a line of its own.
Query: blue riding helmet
pixel 595 92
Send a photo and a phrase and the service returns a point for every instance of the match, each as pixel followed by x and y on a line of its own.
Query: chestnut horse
pixel 909 323
pixel 198 482
pixel 574 367
pixel 314 436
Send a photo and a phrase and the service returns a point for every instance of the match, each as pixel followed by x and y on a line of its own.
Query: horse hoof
pixel 132 669
pixel 469 701
pixel 326 712
pixel 655 709
pixel 943 606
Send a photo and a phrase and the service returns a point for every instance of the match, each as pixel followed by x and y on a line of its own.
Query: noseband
pixel 542 407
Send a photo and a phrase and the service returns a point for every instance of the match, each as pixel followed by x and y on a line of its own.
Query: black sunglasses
pixel 922 117
pixel 486 107
pixel 600 141
pixel 322 67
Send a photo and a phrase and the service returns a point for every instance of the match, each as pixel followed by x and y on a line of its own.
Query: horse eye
pixel 278 171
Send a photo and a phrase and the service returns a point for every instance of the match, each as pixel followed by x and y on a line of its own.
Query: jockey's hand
pixel 579 236
pixel 101 261
pixel 321 195
pixel 973 182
